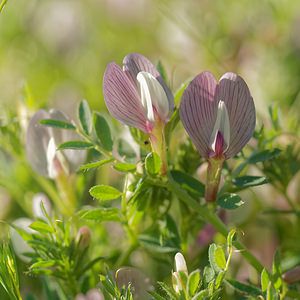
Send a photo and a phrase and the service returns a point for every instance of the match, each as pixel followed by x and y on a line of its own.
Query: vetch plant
pixel 138 96
pixel 220 120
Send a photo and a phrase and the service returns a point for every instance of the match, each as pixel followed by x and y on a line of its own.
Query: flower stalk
pixel 214 171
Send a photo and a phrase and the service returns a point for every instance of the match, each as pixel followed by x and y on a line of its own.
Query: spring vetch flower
pixel 220 120
pixel 138 96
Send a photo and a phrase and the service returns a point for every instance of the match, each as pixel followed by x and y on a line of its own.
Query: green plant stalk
pixel 211 217
pixel 2 5
pixel 214 171
pixel 158 143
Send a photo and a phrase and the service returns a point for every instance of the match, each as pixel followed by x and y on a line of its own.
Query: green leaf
pixel 230 201
pixel 193 282
pixel 244 288
pixel 153 164
pixel 276 277
pixel 219 279
pixel 156 296
pixel 208 274
pixel 156 245
pixel 231 237
pixel 125 167
pixel 189 183
pixel 202 295
pixel 85 116
pixel 97 164
pixel 45 264
pixel 76 145
pixel 57 124
pixel 102 214
pixel 248 181
pixel 264 280
pixel 103 132
pixel 263 155
pixel 161 70
pixel 219 257
pixel 104 192
pixel 211 256
pixel 41 227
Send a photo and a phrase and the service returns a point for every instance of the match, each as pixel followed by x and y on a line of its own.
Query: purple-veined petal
pixel 233 90
pixel 153 95
pixel 37 140
pixel 74 158
pixel 134 63
pixel 122 98
pixel 198 110
pixel 222 126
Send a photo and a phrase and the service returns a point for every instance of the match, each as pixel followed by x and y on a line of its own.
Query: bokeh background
pixel 54 54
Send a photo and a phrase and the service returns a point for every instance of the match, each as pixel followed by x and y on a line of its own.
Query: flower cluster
pixel 218 117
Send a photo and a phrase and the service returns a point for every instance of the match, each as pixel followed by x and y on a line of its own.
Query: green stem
pixel 2 5
pixel 211 217
pixel 158 143
pixel 214 171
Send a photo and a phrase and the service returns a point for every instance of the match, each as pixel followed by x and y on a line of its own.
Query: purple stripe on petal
pixel 122 98
pixel 134 63
pixel 198 110
pixel 233 90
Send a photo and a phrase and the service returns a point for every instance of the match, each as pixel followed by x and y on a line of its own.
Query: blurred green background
pixel 60 49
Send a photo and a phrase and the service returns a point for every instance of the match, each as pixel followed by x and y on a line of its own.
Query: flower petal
pixel 233 90
pixel 122 98
pixel 222 125
pixel 198 110
pixel 134 63
pixel 37 139
pixel 153 95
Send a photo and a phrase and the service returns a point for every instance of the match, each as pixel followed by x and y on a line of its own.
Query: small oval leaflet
pixel 104 192
pixel 124 167
pixel 57 124
pixel 230 201
pixel 153 163
pixel 76 145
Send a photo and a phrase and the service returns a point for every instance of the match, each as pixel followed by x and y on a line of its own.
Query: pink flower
pixel 42 142
pixel 219 117
pixel 137 94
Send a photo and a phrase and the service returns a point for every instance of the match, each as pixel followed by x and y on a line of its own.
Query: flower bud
pixel 83 237
pixel 36 205
pixel 292 276
pixel 180 266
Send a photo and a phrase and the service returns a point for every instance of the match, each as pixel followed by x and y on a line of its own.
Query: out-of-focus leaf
pixel 45 264
pixel 153 164
pixel 125 167
pixel 220 258
pixel 264 280
pixel 101 214
pixel 211 257
pixel 160 68
pixel 244 288
pixel 104 192
pixel 76 145
pixel 103 132
pixel 96 164
pixel 276 276
pixel 57 124
pixel 193 282
pixel 156 245
pixel 85 116
pixel 230 201
pixel 263 155
pixel 189 183
pixel 41 227
pixel 249 181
